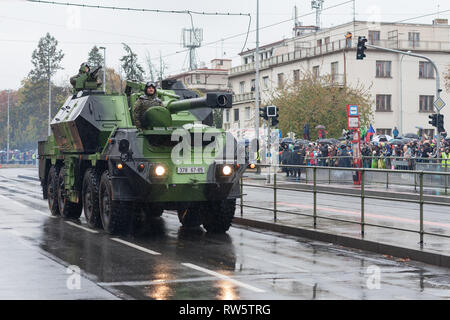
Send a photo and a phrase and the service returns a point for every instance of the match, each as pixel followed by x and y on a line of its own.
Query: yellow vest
pixel 446 160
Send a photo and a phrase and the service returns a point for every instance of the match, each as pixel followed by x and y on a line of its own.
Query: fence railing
pixel 361 174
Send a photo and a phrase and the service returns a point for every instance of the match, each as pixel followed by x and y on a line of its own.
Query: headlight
pixel 160 171
pixel 226 170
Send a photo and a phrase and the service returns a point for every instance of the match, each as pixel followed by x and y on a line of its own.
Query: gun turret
pixel 160 116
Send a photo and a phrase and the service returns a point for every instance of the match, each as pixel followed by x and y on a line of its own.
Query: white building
pixel 207 79
pixel 403 87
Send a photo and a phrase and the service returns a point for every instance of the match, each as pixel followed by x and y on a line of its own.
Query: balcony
pixel 244 97
pixel 304 53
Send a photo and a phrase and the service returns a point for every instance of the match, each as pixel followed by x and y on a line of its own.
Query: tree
pixel 320 101
pixel 95 58
pixel 46 59
pixel 113 81
pixel 130 66
pixel 447 79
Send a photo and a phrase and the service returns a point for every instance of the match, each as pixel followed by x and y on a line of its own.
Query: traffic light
pixel 275 120
pixel 263 113
pixel 440 123
pixel 433 118
pixel 271 111
pixel 361 48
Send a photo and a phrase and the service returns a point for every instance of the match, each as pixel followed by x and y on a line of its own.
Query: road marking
pixel 154 282
pixel 278 264
pixel 81 227
pixel 136 246
pixel 223 277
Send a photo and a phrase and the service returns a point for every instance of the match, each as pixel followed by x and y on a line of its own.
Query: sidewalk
pixel 435 250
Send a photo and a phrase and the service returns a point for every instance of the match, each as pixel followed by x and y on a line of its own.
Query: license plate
pixel 191 170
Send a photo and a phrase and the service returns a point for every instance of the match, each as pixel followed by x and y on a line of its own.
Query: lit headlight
pixel 227 170
pixel 160 171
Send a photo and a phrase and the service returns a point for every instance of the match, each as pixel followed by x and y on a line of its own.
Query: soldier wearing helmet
pixel 84 68
pixel 147 100
pixel 85 79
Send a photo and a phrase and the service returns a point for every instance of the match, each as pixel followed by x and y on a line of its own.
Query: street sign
pixel 439 104
pixel 353 111
pixel 353 123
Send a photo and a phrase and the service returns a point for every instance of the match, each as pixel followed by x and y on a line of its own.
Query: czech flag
pixel 370 134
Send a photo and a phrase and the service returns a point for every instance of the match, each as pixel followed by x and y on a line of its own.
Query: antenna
pixel 192 39
pixel 318 5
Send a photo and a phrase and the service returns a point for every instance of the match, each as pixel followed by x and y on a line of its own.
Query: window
pixel 247 113
pixel 319 42
pixel 426 70
pixel 383 69
pixel 266 82
pixel 384 131
pixel 236 115
pixel 280 80
pixel 245 60
pixel 334 70
pixel 414 39
pixel 253 85
pixel 197 78
pixel 296 75
pixel 429 133
pixel 242 87
pixel 316 72
pixel 327 40
pixel 383 102
pixel 426 103
pixel 374 37
pixel 227 115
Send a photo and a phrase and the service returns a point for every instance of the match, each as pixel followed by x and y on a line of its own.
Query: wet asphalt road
pixel 164 261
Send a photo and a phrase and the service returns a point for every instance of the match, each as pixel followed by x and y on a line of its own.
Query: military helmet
pixel 148 85
pixel 83 67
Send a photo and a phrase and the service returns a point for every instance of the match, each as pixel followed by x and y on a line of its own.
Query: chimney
pixel 440 21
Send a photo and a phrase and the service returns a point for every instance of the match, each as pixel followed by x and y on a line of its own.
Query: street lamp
pixel 7 141
pixel 104 68
pixel 401 94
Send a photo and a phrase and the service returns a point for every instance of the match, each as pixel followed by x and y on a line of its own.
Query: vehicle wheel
pixel 52 190
pixel 219 215
pixel 67 209
pixel 190 218
pixel 152 211
pixel 91 206
pixel 114 214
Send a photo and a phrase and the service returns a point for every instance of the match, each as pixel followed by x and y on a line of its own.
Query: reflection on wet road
pixel 161 260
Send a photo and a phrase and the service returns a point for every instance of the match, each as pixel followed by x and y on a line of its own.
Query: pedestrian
pixel 395 132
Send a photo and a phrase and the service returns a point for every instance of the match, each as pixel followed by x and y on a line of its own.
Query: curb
pixel 372 246
pixel 28 178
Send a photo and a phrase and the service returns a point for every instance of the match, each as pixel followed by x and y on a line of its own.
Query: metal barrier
pixel 362 195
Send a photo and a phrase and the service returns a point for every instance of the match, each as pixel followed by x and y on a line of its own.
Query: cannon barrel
pixel 211 100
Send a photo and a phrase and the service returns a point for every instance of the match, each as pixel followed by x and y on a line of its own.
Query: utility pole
pixel 49 95
pixel 104 69
pixel 7 139
pixel 257 74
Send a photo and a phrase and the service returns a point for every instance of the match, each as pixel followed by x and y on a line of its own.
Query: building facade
pixel 207 79
pixel 403 88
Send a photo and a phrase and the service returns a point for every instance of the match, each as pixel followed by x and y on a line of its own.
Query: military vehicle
pixel 96 159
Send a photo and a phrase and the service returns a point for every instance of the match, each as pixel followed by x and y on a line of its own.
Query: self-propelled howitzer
pixel 97 160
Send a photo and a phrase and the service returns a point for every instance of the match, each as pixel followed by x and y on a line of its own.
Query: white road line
pixel 136 246
pixel 223 277
pixel 81 227
pixel 14 201
pixel 278 264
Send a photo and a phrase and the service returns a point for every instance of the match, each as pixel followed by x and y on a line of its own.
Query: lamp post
pixel 7 139
pixel 104 68
pixel 401 94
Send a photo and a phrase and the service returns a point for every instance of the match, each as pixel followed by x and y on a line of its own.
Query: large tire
pixel 152 211
pixel 67 209
pixel 218 215
pixel 90 194
pixel 191 218
pixel 52 190
pixel 114 214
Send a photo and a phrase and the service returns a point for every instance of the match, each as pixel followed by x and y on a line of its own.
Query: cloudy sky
pixel 22 23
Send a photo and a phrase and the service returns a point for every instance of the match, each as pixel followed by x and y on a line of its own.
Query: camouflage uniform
pixel 143 104
pixel 82 71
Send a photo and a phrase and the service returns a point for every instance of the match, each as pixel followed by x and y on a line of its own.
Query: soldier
pixel 84 68
pixel 149 99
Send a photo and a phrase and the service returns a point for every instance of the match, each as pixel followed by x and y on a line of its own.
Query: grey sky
pixel 79 29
